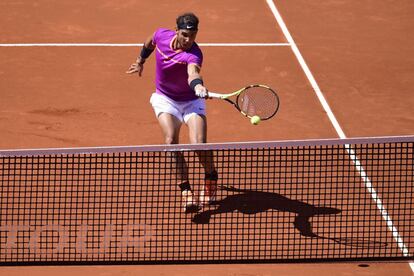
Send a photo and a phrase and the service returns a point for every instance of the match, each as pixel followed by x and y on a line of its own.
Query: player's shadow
pixel 251 202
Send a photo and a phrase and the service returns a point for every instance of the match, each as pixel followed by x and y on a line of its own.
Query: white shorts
pixel 182 110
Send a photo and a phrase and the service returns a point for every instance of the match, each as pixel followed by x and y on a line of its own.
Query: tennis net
pixel 288 201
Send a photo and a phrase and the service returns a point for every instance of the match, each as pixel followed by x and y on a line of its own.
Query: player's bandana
pixel 187 26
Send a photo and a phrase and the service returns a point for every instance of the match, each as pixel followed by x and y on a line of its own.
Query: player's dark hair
pixel 187 21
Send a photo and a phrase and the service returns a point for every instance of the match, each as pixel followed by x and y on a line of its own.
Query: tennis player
pixel 179 99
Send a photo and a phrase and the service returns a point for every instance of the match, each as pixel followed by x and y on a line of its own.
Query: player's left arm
pixel 147 49
pixel 195 80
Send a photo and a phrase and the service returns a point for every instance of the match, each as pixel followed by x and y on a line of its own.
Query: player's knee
pixel 198 139
pixel 201 139
pixel 170 140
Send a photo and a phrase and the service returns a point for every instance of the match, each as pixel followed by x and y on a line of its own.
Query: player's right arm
pixel 138 65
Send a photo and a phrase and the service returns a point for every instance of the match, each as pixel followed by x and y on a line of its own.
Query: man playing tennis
pixel 180 98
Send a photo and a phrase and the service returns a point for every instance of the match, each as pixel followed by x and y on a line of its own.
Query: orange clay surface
pixel 360 52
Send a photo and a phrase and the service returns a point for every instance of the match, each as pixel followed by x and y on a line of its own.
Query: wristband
pixel 145 52
pixel 195 82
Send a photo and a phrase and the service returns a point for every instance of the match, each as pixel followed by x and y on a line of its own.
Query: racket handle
pixel 215 95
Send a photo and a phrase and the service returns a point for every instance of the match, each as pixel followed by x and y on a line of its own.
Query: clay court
pixel 63 84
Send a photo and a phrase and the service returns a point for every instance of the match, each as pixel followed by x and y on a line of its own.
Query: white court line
pixel 306 69
pixel 138 44
pixel 339 130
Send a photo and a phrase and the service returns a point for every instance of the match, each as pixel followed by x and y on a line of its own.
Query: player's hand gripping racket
pixel 253 100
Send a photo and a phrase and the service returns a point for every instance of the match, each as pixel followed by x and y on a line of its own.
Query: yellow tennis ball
pixel 255 120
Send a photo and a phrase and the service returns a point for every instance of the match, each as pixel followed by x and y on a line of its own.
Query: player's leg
pixel 170 121
pixel 170 126
pixel 197 125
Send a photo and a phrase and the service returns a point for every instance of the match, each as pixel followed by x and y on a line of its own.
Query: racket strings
pixel 258 101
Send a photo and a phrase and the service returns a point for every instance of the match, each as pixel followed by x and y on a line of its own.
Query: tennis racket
pixel 253 100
